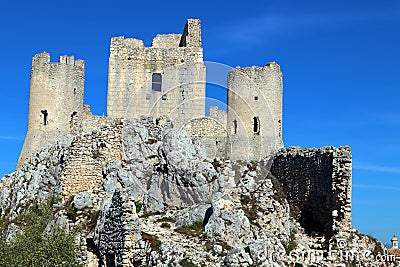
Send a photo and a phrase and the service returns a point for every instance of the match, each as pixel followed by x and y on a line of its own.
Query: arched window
pixel 156 81
pixel 45 114
pixel 234 126
pixel 256 125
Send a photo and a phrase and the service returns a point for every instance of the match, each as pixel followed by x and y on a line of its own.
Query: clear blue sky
pixel 340 61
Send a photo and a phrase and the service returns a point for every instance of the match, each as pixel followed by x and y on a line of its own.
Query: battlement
pixel 190 37
pixel 122 42
pixel 44 59
pixel 259 71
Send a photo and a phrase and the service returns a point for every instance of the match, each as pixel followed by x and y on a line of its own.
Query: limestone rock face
pixel 143 193
pixel 35 180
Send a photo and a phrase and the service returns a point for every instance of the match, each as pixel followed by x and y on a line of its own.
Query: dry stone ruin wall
pixel 88 153
pixel 211 134
pixel 317 183
pixel 167 78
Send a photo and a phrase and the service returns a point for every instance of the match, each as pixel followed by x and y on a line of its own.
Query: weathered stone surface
pixel 317 182
pixel 82 200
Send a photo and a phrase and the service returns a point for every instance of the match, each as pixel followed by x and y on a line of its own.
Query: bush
pixel 138 205
pixel 291 245
pixel 34 247
pixel 165 225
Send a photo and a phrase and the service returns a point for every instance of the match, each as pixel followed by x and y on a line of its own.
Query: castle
pixel 166 79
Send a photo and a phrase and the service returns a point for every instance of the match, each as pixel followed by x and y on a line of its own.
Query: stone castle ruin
pixel 168 81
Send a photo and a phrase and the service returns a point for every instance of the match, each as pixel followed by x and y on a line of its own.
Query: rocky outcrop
pixel 157 200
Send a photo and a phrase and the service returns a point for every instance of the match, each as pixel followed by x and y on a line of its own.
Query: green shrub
pixel 138 205
pixel 291 245
pixel 71 213
pixel 34 247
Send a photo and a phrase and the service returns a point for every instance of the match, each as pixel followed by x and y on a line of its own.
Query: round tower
pixel 55 101
pixel 255 111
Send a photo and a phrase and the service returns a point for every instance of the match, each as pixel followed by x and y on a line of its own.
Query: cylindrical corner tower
pixel 255 111
pixel 55 101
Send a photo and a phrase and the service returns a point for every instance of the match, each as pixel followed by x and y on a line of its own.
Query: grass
pixel 187 263
pixel 153 240
pixel 194 229
pixel 166 219
pixel 71 211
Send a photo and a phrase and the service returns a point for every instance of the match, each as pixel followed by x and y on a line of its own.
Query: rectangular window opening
pixel 156 82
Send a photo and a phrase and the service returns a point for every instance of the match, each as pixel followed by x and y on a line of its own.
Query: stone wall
pixel 255 110
pixel 83 162
pixel 212 135
pixel 92 122
pixel 218 115
pixel 179 60
pixel 55 101
pixel 317 183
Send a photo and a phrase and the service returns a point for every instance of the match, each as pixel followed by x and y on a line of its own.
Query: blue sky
pixel 339 60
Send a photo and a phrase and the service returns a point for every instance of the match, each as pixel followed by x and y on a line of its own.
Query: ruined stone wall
pixel 255 111
pixel 178 58
pixel 83 162
pixel 92 122
pixel 212 135
pixel 317 182
pixel 218 115
pixel 55 101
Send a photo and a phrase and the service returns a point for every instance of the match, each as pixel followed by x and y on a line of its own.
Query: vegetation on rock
pixel 38 245
pixel 194 229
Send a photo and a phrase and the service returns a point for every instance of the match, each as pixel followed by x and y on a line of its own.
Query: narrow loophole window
pixel 234 126
pixel 256 125
pixel 45 114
